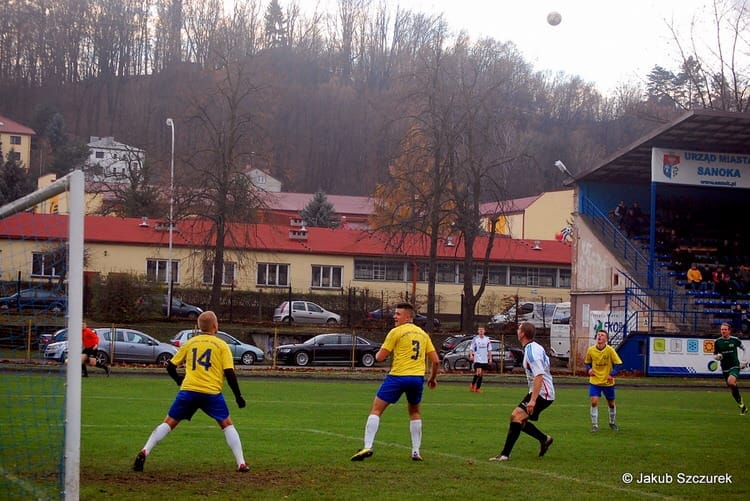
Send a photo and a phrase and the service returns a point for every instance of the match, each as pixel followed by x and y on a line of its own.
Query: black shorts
pixel 478 365
pixel 90 352
pixel 541 404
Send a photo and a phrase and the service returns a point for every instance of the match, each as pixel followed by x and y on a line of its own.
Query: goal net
pixel 41 292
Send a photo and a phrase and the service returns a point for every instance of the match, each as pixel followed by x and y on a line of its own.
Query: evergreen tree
pixel 319 212
pixel 55 131
pixel 276 26
pixel 15 182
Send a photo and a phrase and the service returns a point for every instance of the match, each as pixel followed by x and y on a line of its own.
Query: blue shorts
pixel 186 403
pixel 394 386
pixel 596 391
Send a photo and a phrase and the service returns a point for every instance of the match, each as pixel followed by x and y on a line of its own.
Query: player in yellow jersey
pixel 411 347
pixel 601 363
pixel 208 360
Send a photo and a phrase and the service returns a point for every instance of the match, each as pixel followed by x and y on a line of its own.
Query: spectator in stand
pixel 694 277
pixel 718 277
pixel 620 211
pixel 634 220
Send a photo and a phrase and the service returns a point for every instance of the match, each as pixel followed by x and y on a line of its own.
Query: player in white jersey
pixel 541 395
pixel 480 353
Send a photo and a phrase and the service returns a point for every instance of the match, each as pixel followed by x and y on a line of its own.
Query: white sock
pixel 371 429
pixel 234 442
pixel 594 415
pixel 415 427
pixel 157 435
pixel 612 414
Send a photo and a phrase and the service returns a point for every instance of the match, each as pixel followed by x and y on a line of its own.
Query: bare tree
pixel 223 125
pixel 712 74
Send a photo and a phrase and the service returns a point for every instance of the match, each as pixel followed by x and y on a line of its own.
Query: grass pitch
pixel 298 436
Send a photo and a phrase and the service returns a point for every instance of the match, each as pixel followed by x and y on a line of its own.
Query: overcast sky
pixel 603 41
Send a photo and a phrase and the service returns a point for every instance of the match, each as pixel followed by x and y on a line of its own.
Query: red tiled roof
pixel 8 126
pixel 194 233
pixel 342 204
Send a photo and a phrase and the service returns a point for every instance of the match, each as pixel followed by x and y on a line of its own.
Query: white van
pixel 539 314
pixel 559 332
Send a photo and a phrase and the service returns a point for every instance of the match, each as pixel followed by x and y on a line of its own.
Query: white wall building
pixel 112 161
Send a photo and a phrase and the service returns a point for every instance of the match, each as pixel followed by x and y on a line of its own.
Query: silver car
pixel 129 345
pixel 305 312
pixel 244 353
pixel 458 359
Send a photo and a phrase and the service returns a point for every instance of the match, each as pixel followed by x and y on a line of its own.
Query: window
pixel 498 275
pixel 423 270
pixel 446 273
pixel 546 277
pixel 518 276
pixel 394 271
pixel 14 156
pixel 379 270
pixel 539 277
pixel 229 272
pixel 273 275
pixel 564 281
pixel 362 270
pixel 327 277
pixel 43 265
pixel 156 270
pixel 99 154
pixel 15 139
pixel 476 276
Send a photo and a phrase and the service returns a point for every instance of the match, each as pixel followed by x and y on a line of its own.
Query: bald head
pixel 208 323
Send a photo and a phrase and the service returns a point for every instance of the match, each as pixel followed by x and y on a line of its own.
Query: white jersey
pixel 536 362
pixel 481 348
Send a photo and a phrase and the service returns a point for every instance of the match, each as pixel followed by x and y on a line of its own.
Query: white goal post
pixel 74 184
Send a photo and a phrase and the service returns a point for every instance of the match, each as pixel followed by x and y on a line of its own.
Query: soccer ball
pixel 554 18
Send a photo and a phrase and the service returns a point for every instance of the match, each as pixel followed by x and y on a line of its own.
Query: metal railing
pixel 653 301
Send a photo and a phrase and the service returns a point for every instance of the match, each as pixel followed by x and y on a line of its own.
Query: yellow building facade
pixel 15 139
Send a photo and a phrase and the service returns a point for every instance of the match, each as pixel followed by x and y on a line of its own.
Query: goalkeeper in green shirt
pixel 726 352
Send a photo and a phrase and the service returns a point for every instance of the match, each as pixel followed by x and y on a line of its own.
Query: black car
pixel 329 348
pixel 52 300
pixel 386 315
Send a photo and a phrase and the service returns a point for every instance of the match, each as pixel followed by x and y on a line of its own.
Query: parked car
pixel 48 338
pixel 329 348
pixel 130 345
pixel 539 314
pixel 386 315
pixel 53 300
pixel 180 308
pixel 244 353
pixel 305 312
pixel 458 358
pixel 451 342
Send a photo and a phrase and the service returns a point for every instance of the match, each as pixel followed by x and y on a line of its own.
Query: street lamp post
pixel 170 124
